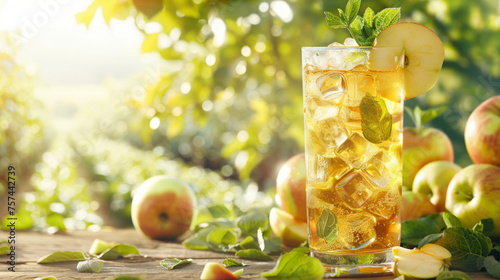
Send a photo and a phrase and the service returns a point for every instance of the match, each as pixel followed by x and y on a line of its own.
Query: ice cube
pixel 350 42
pixel 330 132
pixel 319 168
pixel 381 168
pixel 320 109
pixel 356 150
pixel 332 86
pixel 385 203
pixel 354 189
pixel 350 114
pixel 358 84
pixel 357 230
pixel 339 167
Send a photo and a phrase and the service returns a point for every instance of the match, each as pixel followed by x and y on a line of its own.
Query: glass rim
pixel 309 48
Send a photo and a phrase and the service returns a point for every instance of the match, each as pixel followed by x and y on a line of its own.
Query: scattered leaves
pixel 174 263
pixel 253 254
pixel 62 256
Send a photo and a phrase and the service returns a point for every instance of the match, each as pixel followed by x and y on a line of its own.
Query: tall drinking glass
pixel 353 113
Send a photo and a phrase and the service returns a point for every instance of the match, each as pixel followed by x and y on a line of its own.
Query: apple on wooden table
pixel 482 132
pixel 213 271
pixel 433 180
pixel 291 186
pixel 473 195
pixel 163 207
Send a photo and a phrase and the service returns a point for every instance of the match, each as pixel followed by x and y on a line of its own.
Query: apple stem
pixel 163 218
pixel 467 195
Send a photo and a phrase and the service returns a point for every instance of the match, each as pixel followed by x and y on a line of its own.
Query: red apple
pixel 163 207
pixel 473 195
pixel 433 180
pixel 421 146
pixel 292 230
pixel 291 186
pixel 414 205
pixel 482 132
pixel 214 271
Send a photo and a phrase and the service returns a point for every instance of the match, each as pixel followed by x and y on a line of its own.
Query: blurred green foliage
pixel 226 112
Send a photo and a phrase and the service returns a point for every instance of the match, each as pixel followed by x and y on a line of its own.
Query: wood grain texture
pixel 30 246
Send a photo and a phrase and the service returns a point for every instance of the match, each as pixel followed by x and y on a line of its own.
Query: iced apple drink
pixel 353 108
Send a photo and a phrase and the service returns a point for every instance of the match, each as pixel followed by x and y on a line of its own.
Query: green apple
pixel 421 146
pixel 163 207
pixel 482 132
pixel 433 180
pixel 292 230
pixel 214 271
pixel 414 205
pixel 291 186
pixel 473 195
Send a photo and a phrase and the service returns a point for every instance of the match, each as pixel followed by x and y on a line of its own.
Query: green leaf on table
pixel 303 250
pixel 296 265
pixel 174 263
pixel 222 240
pixel 253 254
pixel 488 227
pixel 355 57
pixel 413 231
pixel 468 248
pixel 451 220
pixel 93 266
pixel 326 226
pixel 230 262
pixel 268 245
pixel 492 266
pixel 250 223
pixel 46 278
pixel 219 211
pixel 385 18
pixel 62 256
pixel 334 21
pixel 376 121
pixel 198 241
pixel 452 275
pixel 248 243
pixel 118 251
pixel 352 9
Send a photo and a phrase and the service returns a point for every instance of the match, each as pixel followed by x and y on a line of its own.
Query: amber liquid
pixel 359 181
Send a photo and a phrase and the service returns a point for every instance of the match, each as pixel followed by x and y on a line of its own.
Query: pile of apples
pixel 434 183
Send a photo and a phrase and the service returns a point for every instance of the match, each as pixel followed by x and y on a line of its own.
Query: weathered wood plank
pixel 30 246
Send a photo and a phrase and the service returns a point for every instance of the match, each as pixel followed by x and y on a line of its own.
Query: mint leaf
pixel 356 29
pixel 296 265
pixel 385 18
pixel 230 262
pixel 253 254
pixel 62 256
pixel 467 247
pixel 413 231
pixel 492 266
pixel 451 220
pixel 431 114
pixel 343 17
pixel 222 240
pixel 250 223
pixel 268 246
pixel 198 241
pixel 174 263
pixel 118 251
pixel 429 239
pixel 478 227
pixel 303 250
pixel 93 266
pixel 376 121
pixel 453 275
pixel 355 57
pixel 326 227
pixel 248 243
pixel 334 21
pixel 352 9
pixel 488 226
pixel 219 211
pixel 368 18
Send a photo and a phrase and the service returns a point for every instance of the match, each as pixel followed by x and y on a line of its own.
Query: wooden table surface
pixel 30 246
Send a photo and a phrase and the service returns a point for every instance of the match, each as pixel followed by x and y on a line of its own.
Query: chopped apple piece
pixel 215 271
pixel 292 230
pixel 423 263
pixel 424 55
pixel 436 251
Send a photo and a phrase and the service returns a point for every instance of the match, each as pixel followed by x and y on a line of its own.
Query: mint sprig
pixel 363 29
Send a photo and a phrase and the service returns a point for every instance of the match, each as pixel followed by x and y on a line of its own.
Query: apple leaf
pixel 250 223
pixel 413 231
pixel 326 227
pixel 376 121
pixel 468 248
pixel 492 266
pixel 174 263
pixel 230 262
pixel 222 240
pixel 198 241
pixel 118 251
pixel 420 117
pixel 62 256
pixel 93 266
pixel 453 275
pixel 253 254
pixel 296 265
pixel 451 220
pixel 219 211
